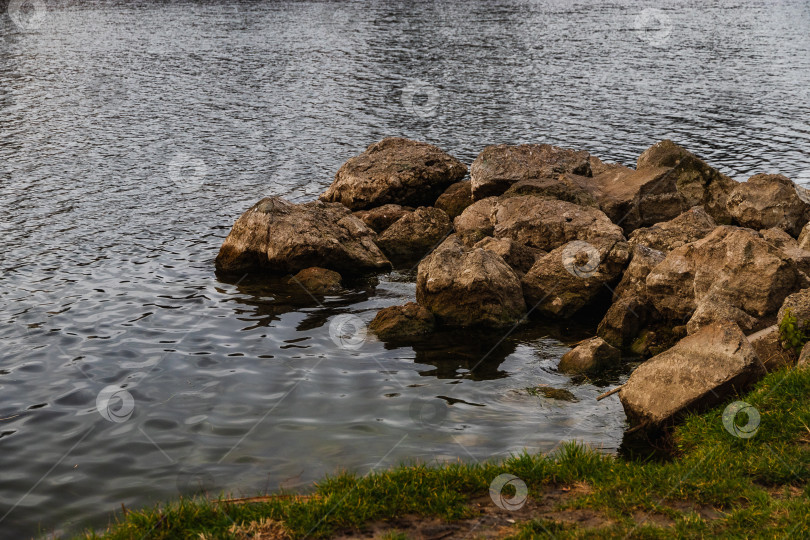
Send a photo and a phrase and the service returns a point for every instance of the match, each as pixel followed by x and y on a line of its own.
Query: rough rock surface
pixel 564 187
pixel 275 235
pixel 789 247
pixel 414 235
pixel 455 199
pixel 380 218
pixel 634 280
pixel 317 280
pixel 799 305
pixel 535 222
pixel 398 322
pixel 690 226
pixel 711 310
pixel 520 258
pixel 499 166
pixel 700 371
pixel 467 287
pixel 768 200
pixel 590 354
pixel 804 357
pixel 731 265
pixel 696 182
pixel 769 349
pixel 571 276
pixel 395 170
pixel 623 321
pixel 804 237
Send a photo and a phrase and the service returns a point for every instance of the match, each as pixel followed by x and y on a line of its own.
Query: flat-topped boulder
pixel 395 171
pixel 277 236
pixel 700 371
pixel 690 226
pixel 499 166
pixel 415 234
pixel 535 221
pixel 731 265
pixel 469 287
pixel 768 200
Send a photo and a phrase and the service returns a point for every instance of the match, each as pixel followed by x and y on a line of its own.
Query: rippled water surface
pixel 132 136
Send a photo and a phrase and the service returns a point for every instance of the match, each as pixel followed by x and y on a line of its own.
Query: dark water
pixel 132 136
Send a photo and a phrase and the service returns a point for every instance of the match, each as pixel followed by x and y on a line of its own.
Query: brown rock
pixel 768 200
pixel 695 181
pixel 499 166
pixel 317 280
pixel 275 235
pixel 477 221
pixel 731 265
pixel 789 247
pixel 588 355
pixel 769 349
pixel 799 305
pixel 598 166
pixel 394 170
pixel 634 280
pixel 563 187
pixel 455 199
pixel 468 287
pixel 804 357
pixel 520 258
pixel 398 322
pixel 569 277
pixel 380 218
pixel 623 321
pixel 690 226
pixel 804 237
pixel 415 235
pixel 700 371
pixel 711 310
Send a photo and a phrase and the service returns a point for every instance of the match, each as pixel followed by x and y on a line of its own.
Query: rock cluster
pixel 681 261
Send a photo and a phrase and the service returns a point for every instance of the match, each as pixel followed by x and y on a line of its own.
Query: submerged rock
pixel 559 394
pixel 499 166
pixel 395 170
pixel 768 200
pixel 700 371
pixel 277 236
pixel 591 354
pixel 455 199
pixel 468 287
pixel 414 235
pixel 380 218
pixel 399 322
pixel 690 226
pixel 317 280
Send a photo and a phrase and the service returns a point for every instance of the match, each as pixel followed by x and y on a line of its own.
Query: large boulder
pixel 768 200
pixel 731 265
pixel 521 258
pixel 380 218
pixel 768 346
pixel 695 181
pixel 571 276
pixel 535 222
pixel 499 166
pixel 415 234
pixel 564 187
pixel 395 170
pixel 275 235
pixel 789 247
pixel 634 280
pixel 469 287
pixel 690 226
pixel 591 354
pixel 455 199
pixel 700 371
pixel 400 322
pixel 623 321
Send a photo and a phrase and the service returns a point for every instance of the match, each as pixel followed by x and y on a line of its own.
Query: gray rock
pixel 700 371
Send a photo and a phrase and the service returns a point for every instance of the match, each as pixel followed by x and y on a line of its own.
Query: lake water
pixel 132 136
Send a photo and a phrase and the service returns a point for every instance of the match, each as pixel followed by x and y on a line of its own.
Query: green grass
pixel 758 486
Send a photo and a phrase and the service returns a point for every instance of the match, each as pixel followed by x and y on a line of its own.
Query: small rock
pixel 497 167
pixel 414 235
pixel 560 394
pixel 380 218
pixel 690 226
pixel 469 287
pixel 395 170
pixel 623 321
pixel 700 371
pixel 768 200
pixel 767 345
pixel 275 235
pixel 317 280
pixel 398 322
pixel 588 355
pixel 455 199
pixel 799 305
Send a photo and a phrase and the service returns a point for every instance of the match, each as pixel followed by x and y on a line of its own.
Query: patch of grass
pixel 719 485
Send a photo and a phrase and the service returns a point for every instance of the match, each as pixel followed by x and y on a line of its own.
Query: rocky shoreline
pixel 689 269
